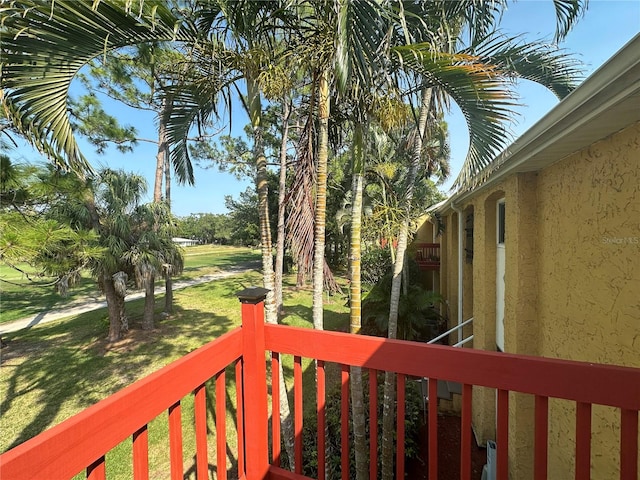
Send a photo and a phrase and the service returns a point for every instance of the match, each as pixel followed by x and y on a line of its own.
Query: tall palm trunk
pixel 168 280
pixel 255 115
pixel 324 107
pixel 321 199
pixel 355 306
pixel 286 113
pixel 162 158
pixel 389 378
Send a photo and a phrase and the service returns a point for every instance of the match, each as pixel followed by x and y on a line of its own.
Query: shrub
pixel 413 421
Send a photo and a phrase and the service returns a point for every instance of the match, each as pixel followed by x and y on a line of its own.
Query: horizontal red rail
pixel 428 255
pixel 83 441
pixel 67 448
pixel 601 384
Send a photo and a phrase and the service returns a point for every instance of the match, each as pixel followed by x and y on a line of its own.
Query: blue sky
pixel 605 28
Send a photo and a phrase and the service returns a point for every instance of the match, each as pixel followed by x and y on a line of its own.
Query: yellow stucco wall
pixel 589 273
pixel 572 287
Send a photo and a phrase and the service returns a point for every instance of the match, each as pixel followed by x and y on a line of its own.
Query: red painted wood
pixel 400 426
pixel 276 439
pixel 221 425
pixel 344 420
pixel 601 384
pixel 465 433
pixel 502 436
pixel 277 473
pixel 541 444
pixel 373 424
pixel 428 256
pixel 57 453
pixel 255 389
pixel 200 413
pixel 175 441
pixel 433 428
pixel 583 441
pixel 322 411
pixel 141 454
pixel 297 398
pixel 95 471
pixel 628 444
pixel 239 418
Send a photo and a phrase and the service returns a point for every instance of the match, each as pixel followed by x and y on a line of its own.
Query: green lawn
pixel 20 297
pixel 53 371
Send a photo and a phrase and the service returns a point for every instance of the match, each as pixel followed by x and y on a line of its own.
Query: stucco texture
pixel 589 279
pixel 572 287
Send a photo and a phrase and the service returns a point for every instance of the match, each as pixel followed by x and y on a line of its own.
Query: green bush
pixel 375 264
pixel 418 315
pixel 413 421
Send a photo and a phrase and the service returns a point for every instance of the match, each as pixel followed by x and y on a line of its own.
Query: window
pixel 501 222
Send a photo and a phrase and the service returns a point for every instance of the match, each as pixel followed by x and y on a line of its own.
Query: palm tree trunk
pixel 321 200
pixel 286 105
pixel 355 305
pixel 389 378
pixel 112 307
pixel 149 300
pixel 168 280
pixel 255 115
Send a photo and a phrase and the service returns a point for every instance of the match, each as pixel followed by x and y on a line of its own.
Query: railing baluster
pixel 400 427
pixel 373 424
pixel 465 433
pixel 276 439
pixel 541 438
pixel 628 444
pixel 502 437
pixel 221 425
pixel 344 419
pixel 141 454
pixel 433 428
pixel 97 470
pixel 200 411
pixel 175 441
pixel 583 440
pixel 321 406
pixel 297 383
pixel 239 418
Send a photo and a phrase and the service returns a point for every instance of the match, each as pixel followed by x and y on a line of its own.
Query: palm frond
pixel 44 45
pixel 537 61
pixel 567 13
pixel 477 88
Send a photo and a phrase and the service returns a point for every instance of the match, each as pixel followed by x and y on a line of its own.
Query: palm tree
pixel 489 53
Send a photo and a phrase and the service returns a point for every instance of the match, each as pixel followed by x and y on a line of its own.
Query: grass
pixel 57 369
pixel 20 297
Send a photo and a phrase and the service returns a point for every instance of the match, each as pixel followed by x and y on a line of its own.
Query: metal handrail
pixel 457 327
pixel 462 342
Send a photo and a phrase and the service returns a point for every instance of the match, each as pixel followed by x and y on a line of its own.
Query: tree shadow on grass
pixel 71 366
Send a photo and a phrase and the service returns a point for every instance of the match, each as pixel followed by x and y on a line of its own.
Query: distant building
pixel 184 242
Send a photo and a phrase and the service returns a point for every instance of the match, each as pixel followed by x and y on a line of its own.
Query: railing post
pixel 254 383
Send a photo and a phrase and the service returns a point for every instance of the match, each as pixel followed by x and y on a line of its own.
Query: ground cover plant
pixel 55 370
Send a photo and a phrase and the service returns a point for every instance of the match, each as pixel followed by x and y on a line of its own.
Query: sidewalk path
pixel 94 304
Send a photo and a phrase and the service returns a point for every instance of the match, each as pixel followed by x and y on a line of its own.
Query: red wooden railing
pixel 428 256
pixel 83 441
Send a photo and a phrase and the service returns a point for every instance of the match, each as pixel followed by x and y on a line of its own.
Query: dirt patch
pixel 448 453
